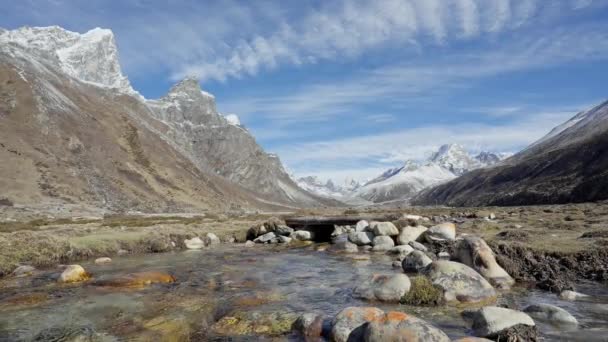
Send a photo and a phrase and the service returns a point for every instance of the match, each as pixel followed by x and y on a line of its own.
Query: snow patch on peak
pixel 233 119
pixel 91 57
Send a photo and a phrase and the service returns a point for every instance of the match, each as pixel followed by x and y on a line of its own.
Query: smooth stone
pixel 442 232
pixel 382 243
pixel 418 246
pixel 399 326
pixel 409 234
pixel 73 274
pixel 194 243
pixel 348 324
pixel 136 280
pixel 362 226
pixel 384 288
pixel 103 261
pixel 475 252
pixel 443 256
pixel 284 230
pixel 384 229
pixel 284 239
pixel 23 270
pixel 401 251
pixel 361 238
pixel 415 261
pixel 249 243
pixel 310 326
pixel 344 247
pixel 302 235
pixel 266 238
pixel 550 313
pixel 572 295
pixel 459 282
pixel 412 217
pixel 491 320
pixel 212 239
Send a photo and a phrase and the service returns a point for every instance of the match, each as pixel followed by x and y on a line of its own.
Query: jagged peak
pixel 188 87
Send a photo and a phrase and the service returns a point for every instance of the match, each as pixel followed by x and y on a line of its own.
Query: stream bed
pixel 236 293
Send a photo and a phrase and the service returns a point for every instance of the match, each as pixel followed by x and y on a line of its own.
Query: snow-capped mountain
pixel 402 183
pixel 329 188
pixel 66 95
pixel 566 165
pixel 91 57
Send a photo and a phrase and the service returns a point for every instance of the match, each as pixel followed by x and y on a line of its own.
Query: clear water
pixel 217 282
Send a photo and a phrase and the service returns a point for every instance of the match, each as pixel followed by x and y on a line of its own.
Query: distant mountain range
pixel 403 182
pixel 570 164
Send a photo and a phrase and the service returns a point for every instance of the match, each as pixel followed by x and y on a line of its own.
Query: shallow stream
pixel 262 287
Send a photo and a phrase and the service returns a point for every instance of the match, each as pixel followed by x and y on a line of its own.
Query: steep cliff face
pixel 73 131
pixel 223 146
pixel 570 164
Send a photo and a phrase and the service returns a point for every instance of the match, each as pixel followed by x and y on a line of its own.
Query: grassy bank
pixel 47 242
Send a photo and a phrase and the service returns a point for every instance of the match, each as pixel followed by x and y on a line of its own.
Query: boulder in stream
pixel 459 282
pixel 384 288
pixel 415 262
pixel 362 226
pixel 73 274
pixel 361 238
pixel 409 234
pixel 382 243
pixel 194 243
pixel 475 252
pixel 572 295
pixel 399 326
pixel 550 314
pixel 136 280
pixel 502 324
pixel 103 261
pixel 309 326
pixel 348 324
pixel 442 232
pixel 384 228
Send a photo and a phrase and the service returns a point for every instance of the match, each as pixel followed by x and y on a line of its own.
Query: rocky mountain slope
pixel 404 182
pixel 73 131
pixel 570 164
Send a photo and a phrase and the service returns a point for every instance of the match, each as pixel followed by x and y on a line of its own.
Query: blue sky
pixel 350 88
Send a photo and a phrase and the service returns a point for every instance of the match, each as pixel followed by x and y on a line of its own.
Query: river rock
pixel 399 326
pixel 73 274
pixel 348 325
pixel 310 326
pixel 384 229
pixel 493 322
pixel 401 251
pixel 415 261
pixel 443 256
pixel 284 239
pixel 475 252
pixel 409 234
pixel 382 243
pixel 362 226
pixel 442 232
pixel 485 214
pixel 361 238
pixel 550 313
pixel 344 247
pixel 384 288
pixel 23 270
pixel 412 217
pixel 212 239
pixel 284 230
pixel 194 243
pixel 459 282
pixel 249 243
pixel 472 339
pixel 103 261
pixel 266 238
pixel 572 295
pixel 418 246
pixel 302 235
pixel 136 280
